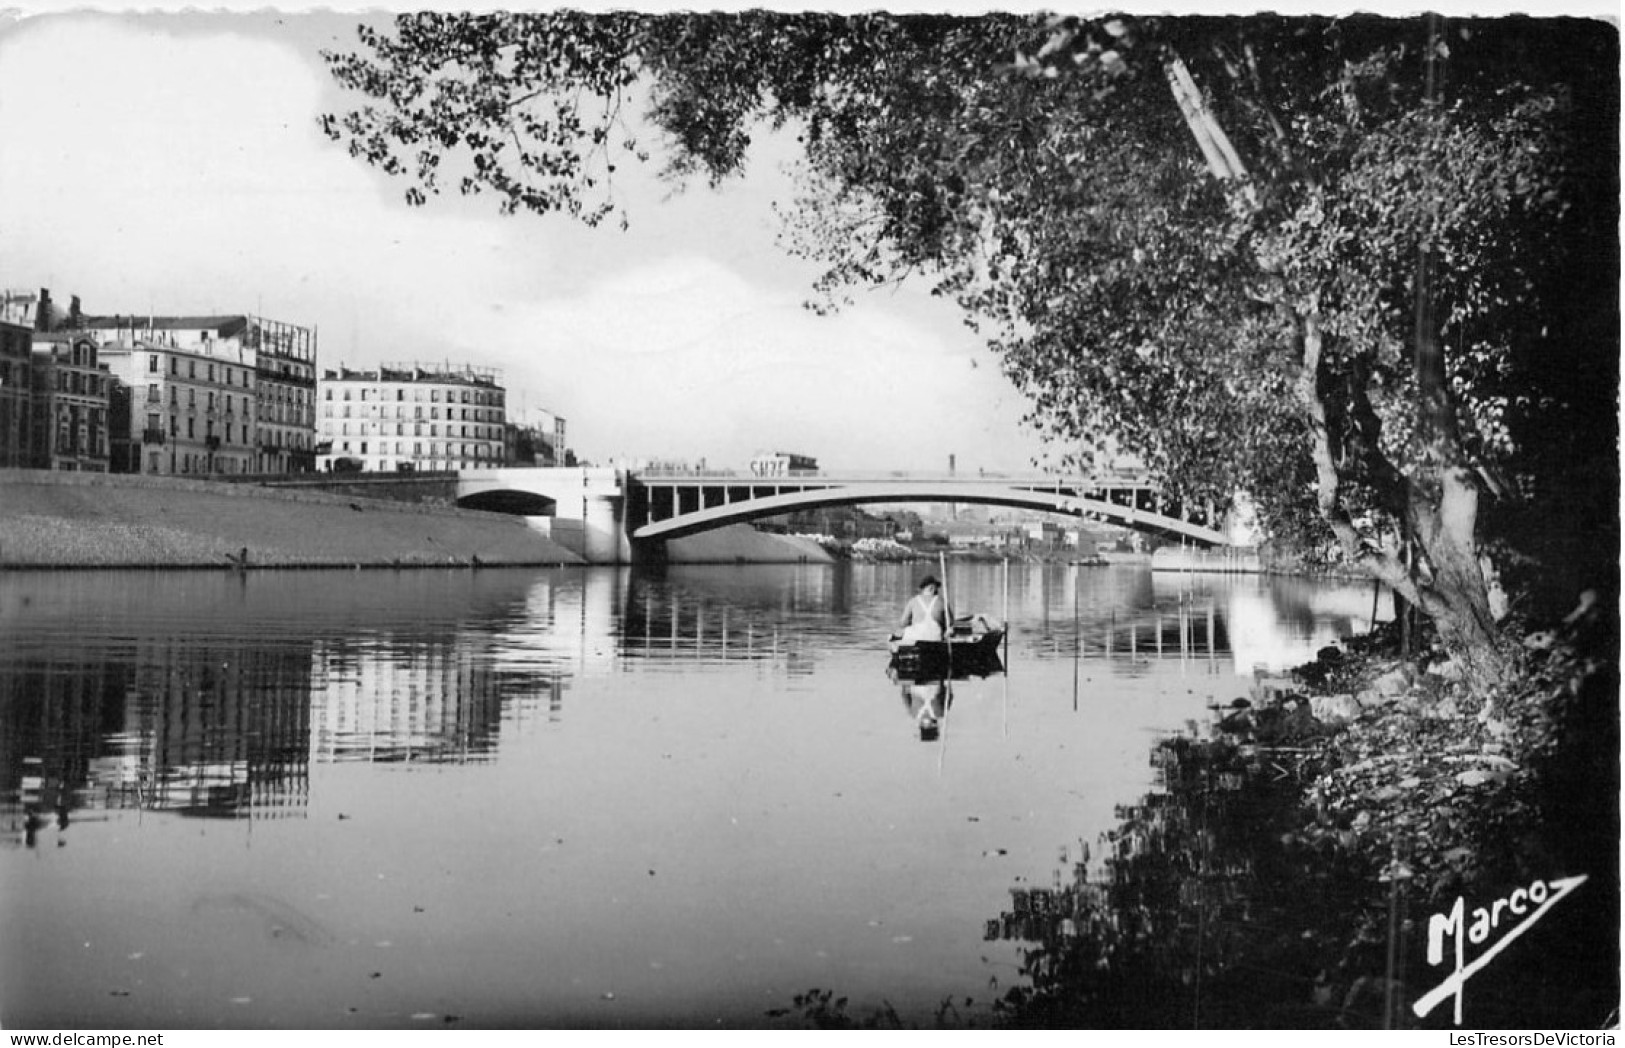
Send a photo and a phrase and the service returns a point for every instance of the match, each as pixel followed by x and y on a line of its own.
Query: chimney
pixel 42 311
pixel 76 315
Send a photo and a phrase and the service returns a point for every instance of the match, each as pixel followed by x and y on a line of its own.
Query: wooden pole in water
pixel 1004 705
pixel 948 639
pixel 1077 639
pixel 1007 616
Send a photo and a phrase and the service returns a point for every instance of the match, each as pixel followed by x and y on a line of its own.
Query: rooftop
pixel 225 325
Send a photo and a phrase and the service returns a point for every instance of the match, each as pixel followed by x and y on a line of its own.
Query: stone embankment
pixel 83 520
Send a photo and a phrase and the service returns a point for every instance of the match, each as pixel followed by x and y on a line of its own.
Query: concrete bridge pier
pixel 602 511
pixel 582 509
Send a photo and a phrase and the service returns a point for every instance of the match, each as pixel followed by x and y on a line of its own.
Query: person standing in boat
pixel 926 617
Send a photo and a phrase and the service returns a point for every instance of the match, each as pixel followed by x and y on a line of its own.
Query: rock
pixel 1446 669
pixel 1334 709
pixel 1393 683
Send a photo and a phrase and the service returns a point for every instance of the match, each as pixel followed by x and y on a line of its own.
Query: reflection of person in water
pixel 927 702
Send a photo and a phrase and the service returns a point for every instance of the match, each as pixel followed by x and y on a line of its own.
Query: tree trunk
pixel 1447 581
pixel 1455 594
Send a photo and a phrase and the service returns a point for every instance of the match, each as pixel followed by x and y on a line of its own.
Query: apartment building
pixel 411 417
pixel 16 395
pixel 212 394
pixel 187 411
pixel 285 395
pixel 71 398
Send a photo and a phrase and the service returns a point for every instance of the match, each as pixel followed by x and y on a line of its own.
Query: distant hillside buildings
pixel 237 394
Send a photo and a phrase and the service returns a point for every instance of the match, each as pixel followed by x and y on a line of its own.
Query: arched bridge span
pixel 671 506
pixel 608 512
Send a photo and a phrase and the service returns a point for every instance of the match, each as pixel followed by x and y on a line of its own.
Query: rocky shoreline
pixel 1299 849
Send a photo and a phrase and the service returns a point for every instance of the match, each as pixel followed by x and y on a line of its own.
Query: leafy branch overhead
pixel 1348 266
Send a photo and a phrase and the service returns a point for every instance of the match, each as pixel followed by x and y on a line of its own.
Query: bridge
pixel 615 516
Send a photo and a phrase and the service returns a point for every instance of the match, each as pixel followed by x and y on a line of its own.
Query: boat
pixel 971 650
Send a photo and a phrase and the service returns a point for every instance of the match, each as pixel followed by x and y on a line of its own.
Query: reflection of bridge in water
pixel 616 516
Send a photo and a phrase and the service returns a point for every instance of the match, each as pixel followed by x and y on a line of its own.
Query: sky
pixel 173 163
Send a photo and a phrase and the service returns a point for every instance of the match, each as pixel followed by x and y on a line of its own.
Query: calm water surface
pixel 575 797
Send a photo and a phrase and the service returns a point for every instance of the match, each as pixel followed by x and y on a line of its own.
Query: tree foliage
pixel 1301 258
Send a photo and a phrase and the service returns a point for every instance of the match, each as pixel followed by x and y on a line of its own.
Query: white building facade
pixel 411 418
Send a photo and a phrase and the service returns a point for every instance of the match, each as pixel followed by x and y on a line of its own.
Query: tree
pixel 1295 257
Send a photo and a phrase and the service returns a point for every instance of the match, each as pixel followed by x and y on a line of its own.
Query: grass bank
pixel 83 520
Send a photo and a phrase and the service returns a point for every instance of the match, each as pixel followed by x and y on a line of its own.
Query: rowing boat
pixel 972 650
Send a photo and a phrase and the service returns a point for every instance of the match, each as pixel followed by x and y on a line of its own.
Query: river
pixel 571 797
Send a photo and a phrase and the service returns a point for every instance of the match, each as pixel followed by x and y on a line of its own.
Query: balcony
pixel 152 436
pixel 212 442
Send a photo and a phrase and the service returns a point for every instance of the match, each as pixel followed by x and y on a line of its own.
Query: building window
pixel 152 362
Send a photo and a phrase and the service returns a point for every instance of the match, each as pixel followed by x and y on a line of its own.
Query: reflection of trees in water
pixel 1198 913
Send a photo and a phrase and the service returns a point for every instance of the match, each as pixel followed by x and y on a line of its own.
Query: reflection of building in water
pixel 566 630
pixel 228 736
pixel 202 729
pixel 669 623
pixel 435 701
pixel 50 739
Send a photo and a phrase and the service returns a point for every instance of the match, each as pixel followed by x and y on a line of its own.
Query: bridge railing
pixel 747 476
